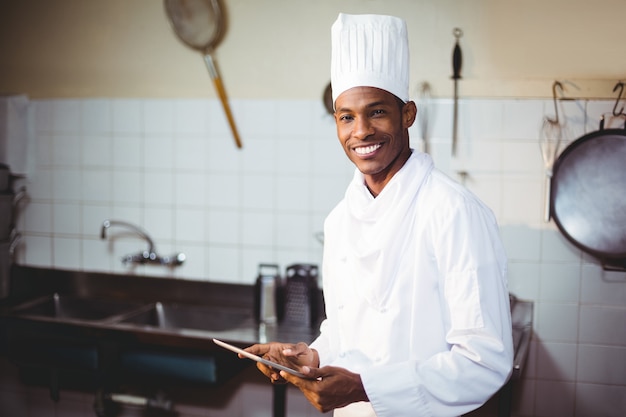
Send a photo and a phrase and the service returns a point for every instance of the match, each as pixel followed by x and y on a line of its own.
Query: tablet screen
pixel 258 358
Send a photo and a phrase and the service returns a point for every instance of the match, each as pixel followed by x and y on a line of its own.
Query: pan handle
pixel 221 92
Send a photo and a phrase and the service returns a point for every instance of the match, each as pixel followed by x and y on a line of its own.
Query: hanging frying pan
pixel 588 195
pixel 200 25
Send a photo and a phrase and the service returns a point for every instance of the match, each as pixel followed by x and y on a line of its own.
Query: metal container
pixel 268 291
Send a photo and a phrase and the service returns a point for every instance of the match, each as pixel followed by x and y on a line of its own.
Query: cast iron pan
pixel 588 195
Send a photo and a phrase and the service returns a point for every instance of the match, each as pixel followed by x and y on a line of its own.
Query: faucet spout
pixel 108 223
pixel 148 256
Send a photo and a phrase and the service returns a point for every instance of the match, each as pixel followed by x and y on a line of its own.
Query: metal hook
pixel 619 97
pixel 554 99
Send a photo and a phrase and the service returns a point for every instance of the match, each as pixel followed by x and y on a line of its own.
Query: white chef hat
pixel 370 51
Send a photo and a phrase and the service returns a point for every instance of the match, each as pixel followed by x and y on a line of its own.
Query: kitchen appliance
pixel 301 296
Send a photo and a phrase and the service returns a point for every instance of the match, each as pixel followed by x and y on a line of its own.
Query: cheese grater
pixel 301 298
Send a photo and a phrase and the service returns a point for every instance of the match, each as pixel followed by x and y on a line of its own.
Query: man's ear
pixel 409 113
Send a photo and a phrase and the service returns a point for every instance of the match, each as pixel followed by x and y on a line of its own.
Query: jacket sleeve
pixel 473 288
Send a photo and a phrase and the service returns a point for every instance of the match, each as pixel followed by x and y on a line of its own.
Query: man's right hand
pixel 288 354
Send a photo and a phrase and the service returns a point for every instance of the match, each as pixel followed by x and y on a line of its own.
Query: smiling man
pixel 414 274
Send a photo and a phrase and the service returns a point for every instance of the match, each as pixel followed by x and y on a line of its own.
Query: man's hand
pixel 329 387
pixel 291 355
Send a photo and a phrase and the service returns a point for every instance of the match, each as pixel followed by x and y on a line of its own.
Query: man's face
pixel 372 126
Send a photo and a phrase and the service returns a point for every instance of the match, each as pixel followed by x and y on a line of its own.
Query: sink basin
pixel 61 307
pixel 173 316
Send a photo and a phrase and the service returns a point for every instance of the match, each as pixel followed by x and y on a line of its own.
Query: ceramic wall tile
pixel 292 230
pixel 66 149
pixel 602 287
pixel 96 117
pixel 594 400
pixel 560 282
pixel 602 364
pixel 557 322
pixel 190 189
pixel 127 116
pixel 293 193
pixel 127 151
pixel 258 192
pixel 257 228
pixel 191 116
pixel 190 154
pixel 260 155
pixel 556 361
pixel 158 116
pixel 67 115
pixel 224 264
pixel 97 186
pixel 66 219
pixel 96 151
pixel 604 325
pixel 554 398
pixel 190 225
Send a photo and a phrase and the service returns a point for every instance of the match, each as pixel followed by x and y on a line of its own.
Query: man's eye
pixel 378 112
pixel 346 118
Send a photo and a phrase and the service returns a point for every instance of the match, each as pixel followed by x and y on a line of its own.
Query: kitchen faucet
pixel 148 256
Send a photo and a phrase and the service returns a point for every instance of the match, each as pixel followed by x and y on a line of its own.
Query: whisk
pixel 549 141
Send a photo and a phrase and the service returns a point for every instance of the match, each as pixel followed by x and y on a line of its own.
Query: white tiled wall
pixel 171 167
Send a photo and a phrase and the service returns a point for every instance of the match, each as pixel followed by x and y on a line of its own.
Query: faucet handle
pixel 174 260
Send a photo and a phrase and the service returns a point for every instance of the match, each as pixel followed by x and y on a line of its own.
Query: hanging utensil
pixel 424 109
pixel 588 201
pixel 549 141
pixel 199 24
pixel 457 63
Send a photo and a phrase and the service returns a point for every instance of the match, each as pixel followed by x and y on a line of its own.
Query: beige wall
pixel 280 48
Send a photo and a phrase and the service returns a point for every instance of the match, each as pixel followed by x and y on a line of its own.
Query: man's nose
pixel 362 128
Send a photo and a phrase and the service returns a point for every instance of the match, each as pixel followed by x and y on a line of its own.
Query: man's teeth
pixel 364 150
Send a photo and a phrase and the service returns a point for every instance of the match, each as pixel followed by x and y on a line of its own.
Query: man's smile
pixel 366 150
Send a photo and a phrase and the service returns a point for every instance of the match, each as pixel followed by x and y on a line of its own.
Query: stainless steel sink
pixel 172 317
pixel 66 307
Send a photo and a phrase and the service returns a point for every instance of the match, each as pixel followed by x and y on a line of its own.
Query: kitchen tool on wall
pixel 587 198
pixel 200 25
pixel 550 138
pixel 457 63
pixel 620 113
pixel 424 112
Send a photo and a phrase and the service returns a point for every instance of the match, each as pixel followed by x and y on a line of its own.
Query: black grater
pixel 301 298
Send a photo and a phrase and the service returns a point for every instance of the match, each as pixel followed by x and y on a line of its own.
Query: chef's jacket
pixel 416 295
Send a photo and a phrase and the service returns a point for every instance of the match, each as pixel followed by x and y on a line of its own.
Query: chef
pixel 414 273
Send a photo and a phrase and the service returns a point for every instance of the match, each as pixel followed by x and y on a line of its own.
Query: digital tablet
pixel 259 359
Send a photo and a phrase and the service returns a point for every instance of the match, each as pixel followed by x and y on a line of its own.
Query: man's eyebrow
pixel 369 105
